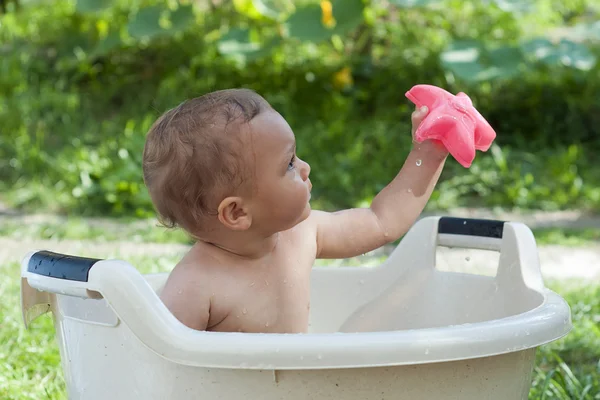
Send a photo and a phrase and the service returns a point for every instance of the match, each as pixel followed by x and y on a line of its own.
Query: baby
pixel 224 168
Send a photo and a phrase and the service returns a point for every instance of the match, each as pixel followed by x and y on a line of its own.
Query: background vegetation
pixel 81 82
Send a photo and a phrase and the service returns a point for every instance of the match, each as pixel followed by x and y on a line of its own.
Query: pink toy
pixel 452 120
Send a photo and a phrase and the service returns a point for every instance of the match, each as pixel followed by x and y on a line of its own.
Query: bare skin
pixel 252 272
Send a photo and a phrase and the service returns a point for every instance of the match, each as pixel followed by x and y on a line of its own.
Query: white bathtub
pixel 402 330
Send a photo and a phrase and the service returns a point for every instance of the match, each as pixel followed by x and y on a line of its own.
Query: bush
pixel 81 82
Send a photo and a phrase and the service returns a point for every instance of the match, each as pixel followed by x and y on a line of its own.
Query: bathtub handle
pixel 60 273
pixel 514 241
pixel 45 273
pixel 483 234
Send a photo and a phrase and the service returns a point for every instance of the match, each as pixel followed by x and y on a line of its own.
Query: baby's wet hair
pixel 193 155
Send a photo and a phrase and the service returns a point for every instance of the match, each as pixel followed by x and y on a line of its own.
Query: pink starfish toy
pixel 452 120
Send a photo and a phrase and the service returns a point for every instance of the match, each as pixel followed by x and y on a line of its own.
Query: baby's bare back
pixel 215 291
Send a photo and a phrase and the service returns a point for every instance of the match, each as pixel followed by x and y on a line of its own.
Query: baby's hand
pixel 417 117
pixel 431 147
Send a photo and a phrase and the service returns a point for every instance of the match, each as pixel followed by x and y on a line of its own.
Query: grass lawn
pixel 108 230
pixel 566 369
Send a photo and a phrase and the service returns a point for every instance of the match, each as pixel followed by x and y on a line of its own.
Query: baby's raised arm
pixel 394 210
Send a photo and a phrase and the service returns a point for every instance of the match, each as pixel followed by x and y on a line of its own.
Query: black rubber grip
pixel 61 266
pixel 471 227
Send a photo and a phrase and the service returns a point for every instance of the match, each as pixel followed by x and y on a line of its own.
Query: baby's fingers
pixel 417 117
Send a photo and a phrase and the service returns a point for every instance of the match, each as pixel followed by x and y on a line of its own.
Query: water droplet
pixel 266 282
pixel 180 291
pixel 237 316
pixel 426 351
pixel 284 281
pixel 409 190
pixel 244 311
pixel 362 282
pixel 252 284
pixel 467 258
pixel 301 357
pixel 266 325
pixel 320 357
pixel 419 162
pixel 464 222
pixel 527 333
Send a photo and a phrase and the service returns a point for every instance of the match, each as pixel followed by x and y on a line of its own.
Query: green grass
pixel 567 237
pixel 570 367
pixel 31 364
pixel 566 369
pixel 148 230
pixel 103 230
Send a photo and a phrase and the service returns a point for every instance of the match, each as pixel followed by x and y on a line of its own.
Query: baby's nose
pixel 305 171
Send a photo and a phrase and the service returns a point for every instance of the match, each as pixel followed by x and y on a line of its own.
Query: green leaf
pixel 89 6
pixel 181 18
pixel 147 22
pixel 519 6
pixel 504 62
pixel 238 44
pixel 583 31
pixel 348 15
pixel 306 23
pixel 462 58
pixel 263 9
pixel 471 61
pixel 237 41
pixel 414 3
pixel 538 48
pixel 104 46
pixel 565 53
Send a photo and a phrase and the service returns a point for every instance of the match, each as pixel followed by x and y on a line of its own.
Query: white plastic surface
pixel 402 330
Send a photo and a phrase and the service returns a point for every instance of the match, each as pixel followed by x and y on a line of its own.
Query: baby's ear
pixel 233 214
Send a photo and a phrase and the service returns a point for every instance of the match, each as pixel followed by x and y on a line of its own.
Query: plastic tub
pixel 402 330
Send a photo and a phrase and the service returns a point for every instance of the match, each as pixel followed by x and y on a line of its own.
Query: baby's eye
pixel 291 165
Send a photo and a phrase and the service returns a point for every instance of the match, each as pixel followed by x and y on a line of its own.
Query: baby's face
pixel 282 187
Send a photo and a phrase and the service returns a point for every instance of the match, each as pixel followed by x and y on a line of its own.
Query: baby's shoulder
pixel 193 270
pixel 306 229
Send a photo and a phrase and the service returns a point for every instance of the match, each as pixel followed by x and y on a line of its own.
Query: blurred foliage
pixel 81 82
